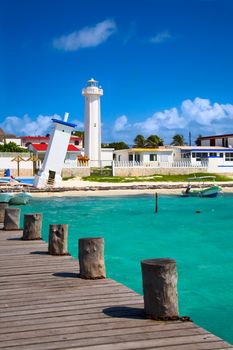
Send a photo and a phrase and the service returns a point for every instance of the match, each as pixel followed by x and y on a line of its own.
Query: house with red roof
pixel 28 140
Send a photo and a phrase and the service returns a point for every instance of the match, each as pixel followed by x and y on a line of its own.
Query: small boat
pixel 5 196
pixel 20 198
pixel 211 191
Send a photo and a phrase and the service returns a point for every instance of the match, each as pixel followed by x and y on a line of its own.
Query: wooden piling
pixel 58 239
pixel 3 206
pixel 156 202
pixel 160 288
pixel 32 227
pixel 11 219
pixel 91 258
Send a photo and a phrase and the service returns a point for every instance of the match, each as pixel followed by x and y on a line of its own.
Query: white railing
pixel 70 164
pixel 177 164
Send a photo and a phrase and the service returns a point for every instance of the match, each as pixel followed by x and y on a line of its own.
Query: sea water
pixel 197 232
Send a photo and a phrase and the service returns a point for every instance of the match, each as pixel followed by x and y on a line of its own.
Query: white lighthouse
pixel 92 128
pixel 50 173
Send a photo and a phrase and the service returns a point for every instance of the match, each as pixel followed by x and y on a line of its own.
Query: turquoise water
pixel 202 244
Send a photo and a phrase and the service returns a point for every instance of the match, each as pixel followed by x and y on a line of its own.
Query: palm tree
pixel 139 141
pixel 154 141
pixel 178 140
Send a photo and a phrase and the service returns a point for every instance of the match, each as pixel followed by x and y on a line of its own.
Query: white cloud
pixel 27 126
pixel 86 37
pixel 121 124
pixel 161 37
pixel 199 116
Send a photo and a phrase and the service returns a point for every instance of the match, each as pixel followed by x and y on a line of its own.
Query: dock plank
pixel 45 305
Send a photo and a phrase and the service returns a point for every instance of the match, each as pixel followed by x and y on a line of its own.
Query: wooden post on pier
pixel 58 239
pixel 3 206
pixel 156 202
pixel 160 288
pixel 11 219
pixel 91 258
pixel 32 227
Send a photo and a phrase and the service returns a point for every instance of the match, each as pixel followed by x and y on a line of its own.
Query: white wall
pixel 25 167
pixel 218 142
pixel 205 142
pixel 106 156
pixel 230 141
pixel 145 156
pixel 17 141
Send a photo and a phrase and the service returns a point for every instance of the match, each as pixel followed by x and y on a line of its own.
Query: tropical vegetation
pixel 12 147
pixel 152 141
pixel 152 178
pixel 178 140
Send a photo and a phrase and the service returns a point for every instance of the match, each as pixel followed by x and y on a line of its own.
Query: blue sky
pixel 165 65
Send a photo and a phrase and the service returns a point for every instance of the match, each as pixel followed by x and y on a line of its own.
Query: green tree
pixel 198 140
pixel 115 145
pixel 11 147
pixel 154 141
pixel 178 140
pixel 139 141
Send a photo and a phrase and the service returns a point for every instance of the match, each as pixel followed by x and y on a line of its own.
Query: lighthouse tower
pixel 92 128
pixel 50 173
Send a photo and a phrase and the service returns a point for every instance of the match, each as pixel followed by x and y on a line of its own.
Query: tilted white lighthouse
pixel 50 173
pixel 92 128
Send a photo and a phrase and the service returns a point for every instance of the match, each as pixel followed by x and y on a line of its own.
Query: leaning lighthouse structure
pixel 92 124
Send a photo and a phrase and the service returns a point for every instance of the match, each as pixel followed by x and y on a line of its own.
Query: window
pixel 76 143
pixel 200 155
pixel 137 157
pixel 153 157
pixel 130 157
pixel 229 157
pixel 221 155
pixel 213 154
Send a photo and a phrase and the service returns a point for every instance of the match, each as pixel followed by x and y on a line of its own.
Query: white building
pixel 225 140
pixel 144 155
pixel 171 159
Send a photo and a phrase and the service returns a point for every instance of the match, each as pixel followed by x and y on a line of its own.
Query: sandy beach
pixel 77 187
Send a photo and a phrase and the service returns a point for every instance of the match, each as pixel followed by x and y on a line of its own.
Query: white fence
pixel 71 164
pixel 178 164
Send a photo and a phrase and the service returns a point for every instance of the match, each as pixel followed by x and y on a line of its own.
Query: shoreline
pixel 84 189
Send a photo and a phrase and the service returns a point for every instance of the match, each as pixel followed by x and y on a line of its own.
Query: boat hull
pixel 5 197
pixel 210 192
pixel 20 199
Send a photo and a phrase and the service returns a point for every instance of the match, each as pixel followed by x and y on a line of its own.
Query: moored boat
pixel 5 196
pixel 211 191
pixel 20 198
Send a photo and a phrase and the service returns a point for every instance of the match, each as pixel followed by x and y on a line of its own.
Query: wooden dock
pixel 45 305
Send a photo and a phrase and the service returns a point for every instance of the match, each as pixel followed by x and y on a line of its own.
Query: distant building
pixel 225 140
pixel 144 155
pixel 28 140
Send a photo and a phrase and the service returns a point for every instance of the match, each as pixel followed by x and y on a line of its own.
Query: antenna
pixel 190 138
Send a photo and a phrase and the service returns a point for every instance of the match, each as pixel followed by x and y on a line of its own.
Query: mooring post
pixel 3 206
pixel 58 239
pixel 160 288
pixel 91 258
pixel 32 227
pixel 156 202
pixel 11 219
